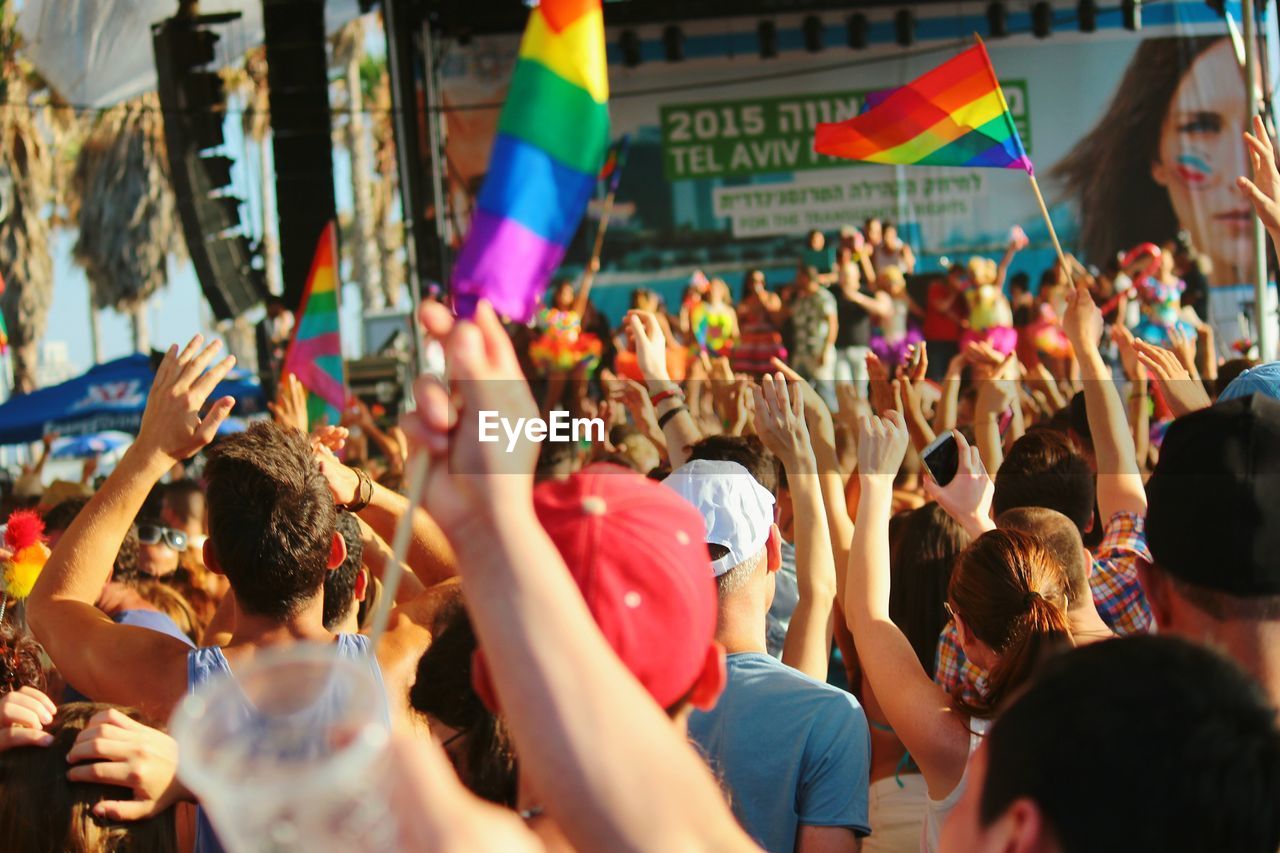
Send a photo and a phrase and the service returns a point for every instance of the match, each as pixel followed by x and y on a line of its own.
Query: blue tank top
pixel 207 664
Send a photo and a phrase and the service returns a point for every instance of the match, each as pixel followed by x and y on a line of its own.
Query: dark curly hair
pixel 21 660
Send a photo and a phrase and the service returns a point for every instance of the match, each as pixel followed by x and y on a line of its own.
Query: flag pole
pixel 415 480
pixel 605 214
pixel 1044 210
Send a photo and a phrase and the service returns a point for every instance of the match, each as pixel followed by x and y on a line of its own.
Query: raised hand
pixel 471 481
pixel 290 406
pixel 1184 347
pixel 882 444
pixel 1134 369
pixel 651 346
pixel 172 427
pixel 115 749
pixel 332 437
pixel 779 421
pixel 23 715
pixel 817 415
pixel 879 385
pixel 1082 321
pixel 1264 190
pixel 967 498
pixel 1183 393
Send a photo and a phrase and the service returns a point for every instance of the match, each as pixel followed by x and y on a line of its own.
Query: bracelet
pixel 655 399
pixel 662 421
pixel 364 492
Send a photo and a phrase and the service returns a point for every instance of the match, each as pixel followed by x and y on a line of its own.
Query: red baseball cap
pixel 638 553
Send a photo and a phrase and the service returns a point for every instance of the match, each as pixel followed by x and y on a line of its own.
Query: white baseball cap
pixel 736 509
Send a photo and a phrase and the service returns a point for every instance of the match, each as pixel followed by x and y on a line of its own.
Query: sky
pixel 179 310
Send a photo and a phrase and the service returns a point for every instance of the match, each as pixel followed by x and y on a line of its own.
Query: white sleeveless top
pixel 936 811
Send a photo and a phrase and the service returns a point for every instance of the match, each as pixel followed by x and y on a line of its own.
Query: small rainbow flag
pixel 315 353
pixel 614 162
pixel 954 115
pixel 551 140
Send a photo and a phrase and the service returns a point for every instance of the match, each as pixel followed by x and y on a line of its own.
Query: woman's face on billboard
pixel 1201 154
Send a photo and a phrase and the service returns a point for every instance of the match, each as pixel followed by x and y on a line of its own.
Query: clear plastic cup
pixel 291 754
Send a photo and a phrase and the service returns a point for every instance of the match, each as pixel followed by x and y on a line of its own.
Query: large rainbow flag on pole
pixel 552 136
pixel 954 115
pixel 315 353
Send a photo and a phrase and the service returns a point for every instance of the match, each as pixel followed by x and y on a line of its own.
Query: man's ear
pixel 1022 829
pixel 711 680
pixel 211 557
pixel 773 549
pixel 362 584
pixel 337 551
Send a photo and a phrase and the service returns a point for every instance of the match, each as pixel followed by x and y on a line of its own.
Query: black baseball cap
pixel 1213 515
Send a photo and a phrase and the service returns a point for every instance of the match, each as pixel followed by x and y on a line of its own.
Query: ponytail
pixel 1011 594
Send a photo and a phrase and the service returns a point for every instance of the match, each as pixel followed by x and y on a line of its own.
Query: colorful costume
pixel 1043 336
pixel 759 343
pixel 895 335
pixel 563 346
pixel 1161 306
pixel 990 319
pixel 712 328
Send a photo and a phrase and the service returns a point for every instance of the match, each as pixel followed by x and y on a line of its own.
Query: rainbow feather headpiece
pixel 24 538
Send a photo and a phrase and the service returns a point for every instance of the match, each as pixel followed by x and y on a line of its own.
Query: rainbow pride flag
pixel 315 353
pixel 954 115
pixel 552 136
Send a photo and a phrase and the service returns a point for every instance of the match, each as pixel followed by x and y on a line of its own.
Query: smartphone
pixel 942 458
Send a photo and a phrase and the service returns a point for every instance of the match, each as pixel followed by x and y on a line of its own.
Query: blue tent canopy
pixel 110 396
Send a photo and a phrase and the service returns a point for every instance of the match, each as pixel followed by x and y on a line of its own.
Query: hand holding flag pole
pixel 953 115
pixel 541 176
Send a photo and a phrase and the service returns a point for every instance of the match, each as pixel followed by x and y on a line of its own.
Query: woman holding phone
pixel 1007 596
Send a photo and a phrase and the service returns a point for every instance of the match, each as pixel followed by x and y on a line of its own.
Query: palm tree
pixel 127 213
pixel 349 52
pixel 390 228
pixel 26 193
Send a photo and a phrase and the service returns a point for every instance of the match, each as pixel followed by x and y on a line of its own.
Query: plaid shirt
pixel 1117 594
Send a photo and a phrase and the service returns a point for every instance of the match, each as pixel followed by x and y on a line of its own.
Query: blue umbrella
pixel 95 444
pixel 110 396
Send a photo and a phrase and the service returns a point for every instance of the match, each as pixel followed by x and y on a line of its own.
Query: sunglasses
pixel 154 534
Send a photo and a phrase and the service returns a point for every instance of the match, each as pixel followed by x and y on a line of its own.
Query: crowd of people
pixel 758 615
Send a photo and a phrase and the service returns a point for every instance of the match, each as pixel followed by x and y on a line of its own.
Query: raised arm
pixel 1002 269
pixel 917 709
pixel 944 419
pixel 780 423
pixel 1120 486
pixel 673 415
pixel 1136 372
pixel 1264 190
pixel 822 435
pixel 588 735
pixel 430 556
pixel 109 662
pixel 584 287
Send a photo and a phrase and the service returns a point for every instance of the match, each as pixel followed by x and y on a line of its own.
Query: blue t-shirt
pixel 791 750
pixel 155 621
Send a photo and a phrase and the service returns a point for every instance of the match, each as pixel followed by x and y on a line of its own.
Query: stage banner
pixel 1135 137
